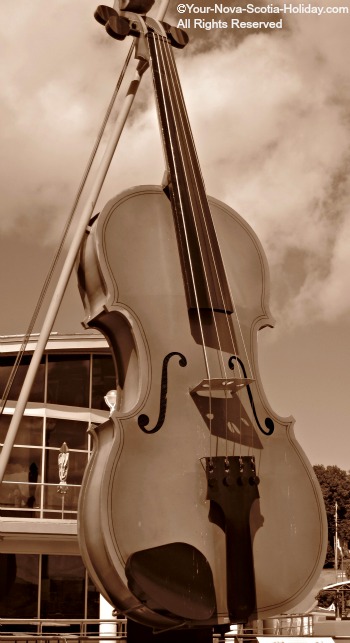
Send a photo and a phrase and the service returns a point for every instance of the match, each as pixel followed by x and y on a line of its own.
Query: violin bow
pixel 73 250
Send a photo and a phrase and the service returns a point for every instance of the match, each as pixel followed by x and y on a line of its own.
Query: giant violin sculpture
pixel 198 506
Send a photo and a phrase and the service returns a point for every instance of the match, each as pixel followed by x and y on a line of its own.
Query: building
pixel 41 573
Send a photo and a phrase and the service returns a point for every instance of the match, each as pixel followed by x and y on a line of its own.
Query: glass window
pixel 37 392
pixel 76 467
pixel 32 475
pixel 21 496
pixel 63 587
pixel 22 477
pixel 19 574
pixel 63 580
pixel 73 433
pixel 93 601
pixel 60 503
pixel 68 380
pixel 22 464
pixel 4 425
pixel 103 380
pixel 30 430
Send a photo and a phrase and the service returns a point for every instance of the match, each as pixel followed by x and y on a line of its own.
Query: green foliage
pixel 347 569
pixel 329 562
pixel 325 598
pixel 335 485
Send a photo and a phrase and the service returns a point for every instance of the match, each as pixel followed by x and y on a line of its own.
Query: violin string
pixel 189 153
pixel 187 127
pixel 177 100
pixel 174 97
pixel 235 309
pixel 247 361
pixel 182 111
pixel 164 50
pixel 189 133
pixel 161 57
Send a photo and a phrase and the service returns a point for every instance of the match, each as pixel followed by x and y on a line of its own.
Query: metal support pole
pixel 61 286
pixel 336 543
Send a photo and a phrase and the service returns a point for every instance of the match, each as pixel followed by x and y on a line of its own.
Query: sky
pixel 270 113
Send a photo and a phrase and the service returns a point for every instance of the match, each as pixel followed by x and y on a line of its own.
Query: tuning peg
pixel 118 27
pixel 177 37
pixel 104 13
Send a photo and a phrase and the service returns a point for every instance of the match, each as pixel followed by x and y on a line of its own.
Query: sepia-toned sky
pixel 270 111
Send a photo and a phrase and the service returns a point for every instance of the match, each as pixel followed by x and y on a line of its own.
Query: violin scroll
pixel 103 12
pixel 118 26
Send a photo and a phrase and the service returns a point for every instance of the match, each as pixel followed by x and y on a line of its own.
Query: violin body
pixel 146 509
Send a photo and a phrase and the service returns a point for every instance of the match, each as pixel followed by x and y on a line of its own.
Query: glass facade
pixel 42 586
pixel 68 387
pixel 37 392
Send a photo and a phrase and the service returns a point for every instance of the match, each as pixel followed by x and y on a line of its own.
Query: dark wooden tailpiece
pixel 232 489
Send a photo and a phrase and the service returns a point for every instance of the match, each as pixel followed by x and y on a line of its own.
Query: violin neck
pixel 205 281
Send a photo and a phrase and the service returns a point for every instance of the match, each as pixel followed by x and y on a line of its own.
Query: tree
pixel 335 485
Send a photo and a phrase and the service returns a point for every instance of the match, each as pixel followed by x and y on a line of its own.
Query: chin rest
pixel 175 579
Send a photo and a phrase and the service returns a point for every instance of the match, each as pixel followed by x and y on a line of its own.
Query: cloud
pixel 58 72
pixel 270 114
pixel 277 150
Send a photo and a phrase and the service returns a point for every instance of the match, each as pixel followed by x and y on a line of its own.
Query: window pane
pixel 93 602
pixel 37 392
pixel 23 463
pixel 24 473
pixel 19 574
pixel 30 430
pixel 4 425
pixel 73 433
pixel 61 503
pixel 103 379
pixel 19 495
pixel 68 380
pixel 63 582
pixel 76 467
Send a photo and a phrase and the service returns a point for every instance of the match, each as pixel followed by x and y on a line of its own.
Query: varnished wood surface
pixel 143 491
